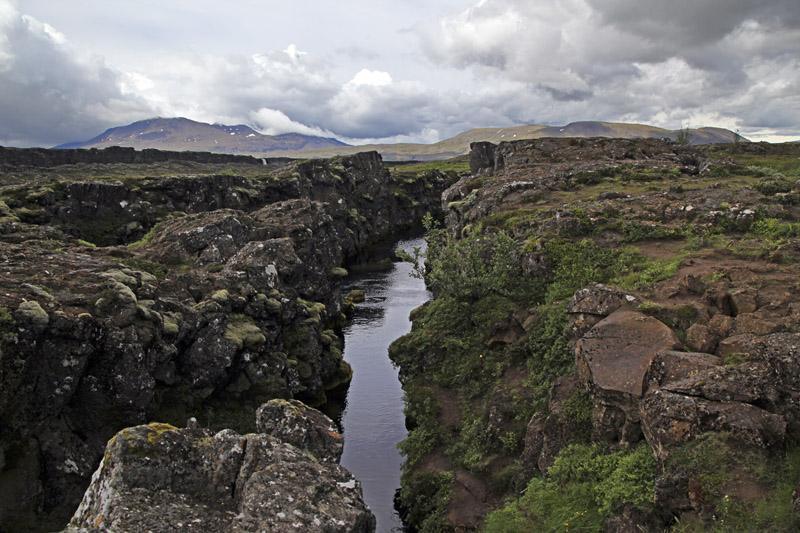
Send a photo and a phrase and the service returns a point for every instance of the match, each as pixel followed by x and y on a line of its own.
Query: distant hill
pixel 459 145
pixel 183 134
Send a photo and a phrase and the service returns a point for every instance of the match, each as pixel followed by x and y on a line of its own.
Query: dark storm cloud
pixel 652 61
pixel 47 94
pixel 729 63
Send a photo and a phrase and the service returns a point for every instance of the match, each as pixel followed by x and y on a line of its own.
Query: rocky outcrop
pixel 229 298
pixel 695 351
pixel 755 401
pixel 612 360
pixel 159 478
pixel 41 157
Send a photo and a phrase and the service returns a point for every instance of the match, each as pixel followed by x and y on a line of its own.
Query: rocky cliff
pixel 285 477
pixel 615 336
pixel 140 292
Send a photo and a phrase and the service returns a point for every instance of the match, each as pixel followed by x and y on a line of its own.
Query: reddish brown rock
pixel 737 344
pixel 751 323
pixel 593 303
pixel 721 325
pixel 612 359
pixel 671 366
pixel 701 338
pixel 669 419
pixel 750 382
pixel 744 300
pixel 615 354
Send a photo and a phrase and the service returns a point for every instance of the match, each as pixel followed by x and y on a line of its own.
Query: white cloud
pixel 50 93
pixel 641 60
pixel 274 122
pixel 375 78
pixel 494 63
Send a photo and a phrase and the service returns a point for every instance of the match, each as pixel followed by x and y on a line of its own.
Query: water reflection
pixel 373 420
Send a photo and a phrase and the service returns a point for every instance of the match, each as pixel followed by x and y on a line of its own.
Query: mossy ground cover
pixel 742 489
pixel 459 165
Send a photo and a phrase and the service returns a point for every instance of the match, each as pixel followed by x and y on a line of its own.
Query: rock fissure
pixel 195 295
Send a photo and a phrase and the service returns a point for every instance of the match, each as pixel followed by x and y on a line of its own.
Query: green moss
pixel 5 316
pixel 314 309
pixel 355 296
pixel 139 263
pixel 32 312
pixel 171 324
pixel 221 296
pixel 32 215
pixel 146 239
pixel 401 170
pixel 243 332
pixel 156 431
pixel 338 272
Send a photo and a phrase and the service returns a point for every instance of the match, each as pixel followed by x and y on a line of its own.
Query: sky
pixel 399 70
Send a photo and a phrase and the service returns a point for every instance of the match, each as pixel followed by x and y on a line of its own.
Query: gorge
pixel 610 342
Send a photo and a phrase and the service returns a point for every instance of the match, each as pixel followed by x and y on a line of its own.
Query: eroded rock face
pixel 546 435
pixel 612 359
pixel 302 426
pixel 615 354
pixel 160 478
pixel 755 401
pixel 228 299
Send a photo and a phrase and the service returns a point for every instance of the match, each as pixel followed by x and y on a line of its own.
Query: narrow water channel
pixel 373 421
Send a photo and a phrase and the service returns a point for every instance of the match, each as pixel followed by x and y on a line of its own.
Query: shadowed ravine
pixel 373 415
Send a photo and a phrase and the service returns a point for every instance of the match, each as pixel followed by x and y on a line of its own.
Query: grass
pixel 459 165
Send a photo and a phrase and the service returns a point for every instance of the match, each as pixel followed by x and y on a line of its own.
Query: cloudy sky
pixel 397 70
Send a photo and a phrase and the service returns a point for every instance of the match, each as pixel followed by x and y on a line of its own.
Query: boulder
pixel 158 478
pixel 612 359
pixel 615 354
pixel 744 300
pixel 304 427
pixel 670 419
pixel 671 366
pixel 700 337
pixel 593 303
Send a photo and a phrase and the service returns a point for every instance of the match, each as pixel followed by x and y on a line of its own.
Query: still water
pixel 373 420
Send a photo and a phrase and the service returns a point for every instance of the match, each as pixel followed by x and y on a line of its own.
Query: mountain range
pixel 184 134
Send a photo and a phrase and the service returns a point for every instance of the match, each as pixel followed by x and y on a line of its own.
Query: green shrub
pixel 476 266
pixel 718 464
pixel 423 499
pixel 549 353
pixel 585 487
pixel 636 231
pixel 774 229
pixel 774 185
